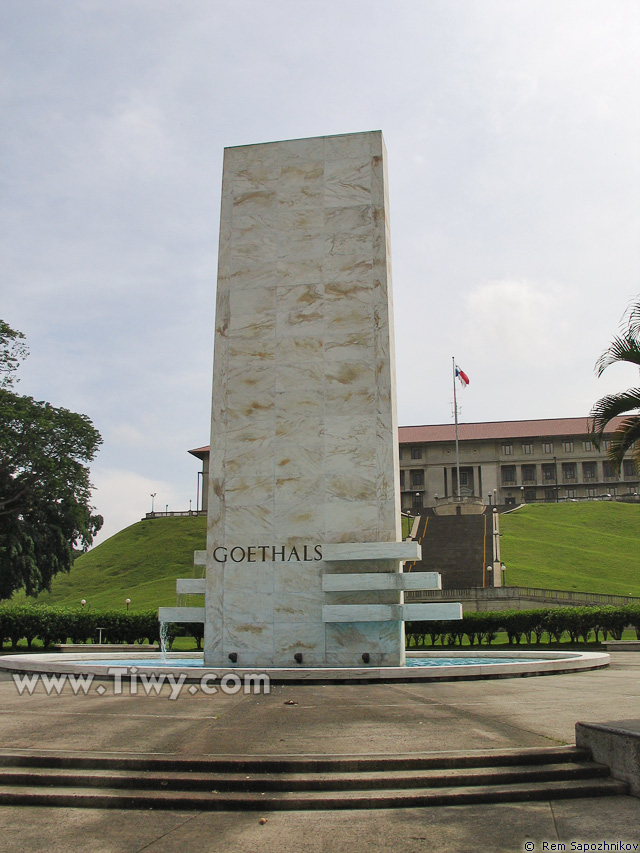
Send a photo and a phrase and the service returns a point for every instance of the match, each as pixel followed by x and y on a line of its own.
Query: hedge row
pixel 576 623
pixel 59 625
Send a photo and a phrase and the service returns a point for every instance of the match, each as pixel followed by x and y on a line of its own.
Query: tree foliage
pixel 13 350
pixel 624 348
pixel 45 491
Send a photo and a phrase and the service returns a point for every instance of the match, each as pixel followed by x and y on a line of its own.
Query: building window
pixel 529 474
pixel 527 448
pixel 464 478
pixel 507 449
pixel 402 480
pixel 529 495
pixel 571 493
pixel 417 479
pixel 613 491
pixel 607 471
pixel 589 472
pixel 569 472
pixel 549 473
pixel 416 453
pixel 591 492
pixel 508 475
pixel 628 469
pixel 606 444
pixel 587 446
pixel 547 447
pixel 550 494
pixel 567 446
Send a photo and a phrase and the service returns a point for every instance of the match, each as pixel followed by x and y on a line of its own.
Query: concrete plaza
pixel 359 719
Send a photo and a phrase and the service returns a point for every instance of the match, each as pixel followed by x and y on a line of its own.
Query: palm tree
pixel 625 347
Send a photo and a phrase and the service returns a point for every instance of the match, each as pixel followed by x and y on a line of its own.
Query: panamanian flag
pixel 462 376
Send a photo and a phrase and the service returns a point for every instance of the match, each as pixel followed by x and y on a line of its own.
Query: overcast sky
pixel 513 134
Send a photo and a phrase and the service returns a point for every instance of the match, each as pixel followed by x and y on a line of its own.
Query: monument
pixel 304 554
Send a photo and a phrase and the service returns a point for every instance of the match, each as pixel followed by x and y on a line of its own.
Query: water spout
pixel 165 641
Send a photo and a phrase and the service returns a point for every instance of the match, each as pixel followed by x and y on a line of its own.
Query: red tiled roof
pixel 543 428
pixel 200 452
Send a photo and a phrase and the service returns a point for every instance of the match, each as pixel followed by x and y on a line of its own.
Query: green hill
pixel 589 547
pixel 593 546
pixel 140 562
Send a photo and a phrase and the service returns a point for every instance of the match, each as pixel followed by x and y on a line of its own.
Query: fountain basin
pixel 434 666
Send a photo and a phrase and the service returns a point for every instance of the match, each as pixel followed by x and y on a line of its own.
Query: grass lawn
pixel 588 547
pixel 141 562
pixel 593 546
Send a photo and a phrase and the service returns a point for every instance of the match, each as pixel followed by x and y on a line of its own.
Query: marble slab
pixel 391 612
pixel 372 551
pixel 191 586
pixel 381 581
pixel 303 419
pixel 181 614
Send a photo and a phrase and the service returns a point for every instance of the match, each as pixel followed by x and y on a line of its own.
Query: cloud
pixel 123 497
pixel 529 320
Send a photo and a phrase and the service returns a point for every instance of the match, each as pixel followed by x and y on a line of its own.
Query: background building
pixel 509 462
pixel 501 462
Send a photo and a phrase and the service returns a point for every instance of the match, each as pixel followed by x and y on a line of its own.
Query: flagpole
pixel 455 416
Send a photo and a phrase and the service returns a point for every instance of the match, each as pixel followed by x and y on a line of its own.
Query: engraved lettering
pixel 262 553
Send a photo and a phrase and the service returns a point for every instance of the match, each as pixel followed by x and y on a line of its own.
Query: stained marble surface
pixel 303 430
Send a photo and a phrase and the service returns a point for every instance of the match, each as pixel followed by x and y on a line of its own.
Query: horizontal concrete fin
pixel 338 552
pixel 362 613
pixel 380 581
pixel 181 614
pixel 191 586
pixel 390 612
pixel 429 612
pixel 421 580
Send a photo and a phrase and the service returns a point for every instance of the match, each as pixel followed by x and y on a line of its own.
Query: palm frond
pixel 624 439
pixel 610 407
pixel 631 319
pixel 622 348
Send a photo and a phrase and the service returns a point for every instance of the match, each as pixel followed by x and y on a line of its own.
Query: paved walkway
pixel 328 720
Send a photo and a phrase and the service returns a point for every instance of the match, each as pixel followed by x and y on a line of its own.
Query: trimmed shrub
pixel 56 625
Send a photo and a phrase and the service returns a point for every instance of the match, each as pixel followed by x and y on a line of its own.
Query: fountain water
pixel 165 641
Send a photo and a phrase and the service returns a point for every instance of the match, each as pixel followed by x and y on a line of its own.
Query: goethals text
pixel 271 553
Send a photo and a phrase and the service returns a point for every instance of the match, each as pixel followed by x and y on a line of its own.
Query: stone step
pixel 299 782
pixel 457 547
pixel 293 764
pixel 105 780
pixel 280 801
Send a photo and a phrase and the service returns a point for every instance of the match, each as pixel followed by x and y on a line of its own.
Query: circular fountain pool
pixel 435 666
